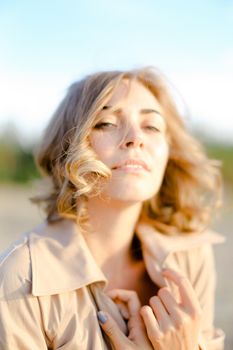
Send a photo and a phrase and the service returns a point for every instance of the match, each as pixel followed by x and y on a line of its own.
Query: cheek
pixel 160 157
pixel 160 153
pixel 101 146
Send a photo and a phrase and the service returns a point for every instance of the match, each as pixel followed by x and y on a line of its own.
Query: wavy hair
pixel 191 186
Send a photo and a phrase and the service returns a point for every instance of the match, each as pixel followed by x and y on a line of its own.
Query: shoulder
pixel 16 262
pixel 15 269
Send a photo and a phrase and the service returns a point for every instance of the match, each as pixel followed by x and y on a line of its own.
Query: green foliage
pixel 16 163
pixel 224 153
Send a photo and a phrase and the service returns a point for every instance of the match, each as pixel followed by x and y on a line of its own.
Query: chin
pixel 133 196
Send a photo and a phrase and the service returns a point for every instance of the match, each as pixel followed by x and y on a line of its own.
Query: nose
pixel 133 138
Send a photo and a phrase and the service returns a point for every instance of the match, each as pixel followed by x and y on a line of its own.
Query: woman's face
pixel 132 142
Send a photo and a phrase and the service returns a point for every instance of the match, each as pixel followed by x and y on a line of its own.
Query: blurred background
pixel 47 45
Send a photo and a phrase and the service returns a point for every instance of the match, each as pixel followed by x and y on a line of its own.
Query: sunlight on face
pixel 131 140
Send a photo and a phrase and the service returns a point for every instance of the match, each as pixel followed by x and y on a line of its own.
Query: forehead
pixel 132 92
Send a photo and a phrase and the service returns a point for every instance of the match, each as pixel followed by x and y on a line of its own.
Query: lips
pixel 134 163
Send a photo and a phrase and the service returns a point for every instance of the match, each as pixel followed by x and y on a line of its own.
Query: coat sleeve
pixel 21 323
pixel 203 278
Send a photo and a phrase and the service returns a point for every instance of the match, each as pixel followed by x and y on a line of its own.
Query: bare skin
pixel 115 260
pixel 135 278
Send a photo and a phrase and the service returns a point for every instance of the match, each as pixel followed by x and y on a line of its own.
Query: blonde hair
pixel 191 186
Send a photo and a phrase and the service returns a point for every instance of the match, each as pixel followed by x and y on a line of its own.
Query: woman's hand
pixel 129 306
pixel 166 324
pixel 171 325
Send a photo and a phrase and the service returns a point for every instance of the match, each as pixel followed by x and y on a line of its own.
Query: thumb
pixel 113 331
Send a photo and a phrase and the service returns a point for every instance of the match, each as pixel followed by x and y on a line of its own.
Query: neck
pixel 112 227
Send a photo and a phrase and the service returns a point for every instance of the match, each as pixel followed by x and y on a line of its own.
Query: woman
pixel 124 259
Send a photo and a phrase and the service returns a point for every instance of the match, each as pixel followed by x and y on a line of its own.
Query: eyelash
pixel 102 125
pixel 106 124
pixel 153 128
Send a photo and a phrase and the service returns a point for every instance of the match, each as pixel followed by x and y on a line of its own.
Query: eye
pixel 153 128
pixel 103 125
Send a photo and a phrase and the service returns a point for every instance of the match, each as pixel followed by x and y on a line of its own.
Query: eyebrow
pixel 142 111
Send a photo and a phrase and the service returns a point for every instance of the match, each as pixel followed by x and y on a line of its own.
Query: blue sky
pixel 46 45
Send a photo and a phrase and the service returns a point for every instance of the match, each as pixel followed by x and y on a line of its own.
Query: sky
pixel 46 45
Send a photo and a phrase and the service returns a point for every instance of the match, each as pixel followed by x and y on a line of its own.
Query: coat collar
pixel 159 250
pixel 61 260
pixel 160 246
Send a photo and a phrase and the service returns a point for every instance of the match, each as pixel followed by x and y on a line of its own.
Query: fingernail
pixel 102 317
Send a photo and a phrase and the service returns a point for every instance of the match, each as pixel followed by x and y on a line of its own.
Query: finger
pixel 130 297
pixel 172 307
pixel 161 313
pixel 123 308
pixel 187 293
pixel 152 327
pixel 110 327
pixel 136 328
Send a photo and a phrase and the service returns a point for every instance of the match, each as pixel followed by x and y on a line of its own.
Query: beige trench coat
pixel 51 286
